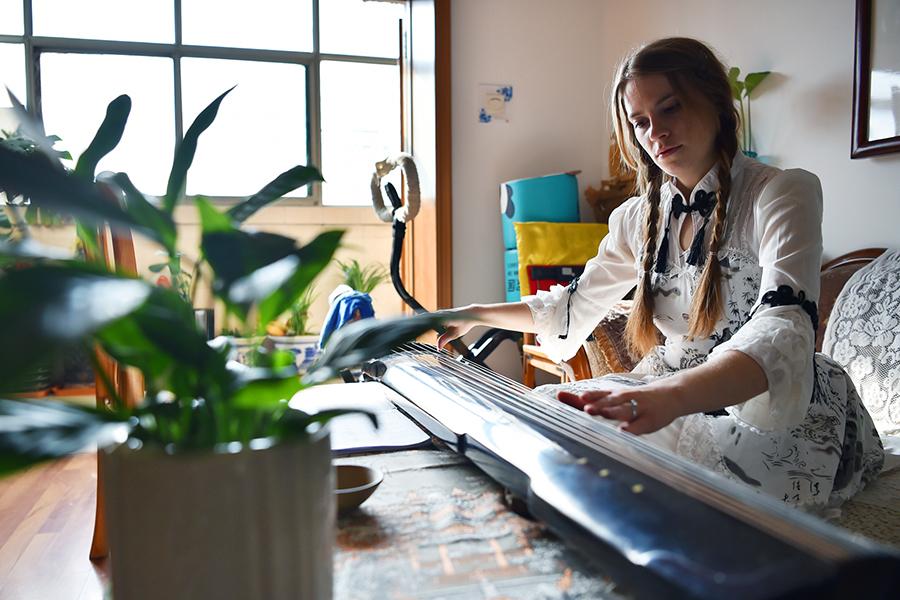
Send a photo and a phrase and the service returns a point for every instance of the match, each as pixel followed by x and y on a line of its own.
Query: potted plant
pixel 362 279
pixel 215 487
pixel 293 334
pixel 740 90
pixel 16 220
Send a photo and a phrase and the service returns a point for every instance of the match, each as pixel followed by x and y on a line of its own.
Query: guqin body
pixel 663 526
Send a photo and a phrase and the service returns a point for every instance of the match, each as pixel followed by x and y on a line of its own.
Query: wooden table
pixel 437 527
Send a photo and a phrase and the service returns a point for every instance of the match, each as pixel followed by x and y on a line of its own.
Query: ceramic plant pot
pixel 249 524
pixel 304 347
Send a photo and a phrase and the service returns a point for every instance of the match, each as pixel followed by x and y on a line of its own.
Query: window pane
pixel 267 24
pixel 12 73
pixel 360 28
pixel 126 20
pixel 74 110
pixel 11 20
pixel 360 126
pixel 260 130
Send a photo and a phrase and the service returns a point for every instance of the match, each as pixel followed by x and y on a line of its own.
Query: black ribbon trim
pixel 571 290
pixel 783 295
pixel 704 203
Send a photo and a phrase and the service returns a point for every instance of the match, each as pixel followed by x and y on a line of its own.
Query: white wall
pixel 559 56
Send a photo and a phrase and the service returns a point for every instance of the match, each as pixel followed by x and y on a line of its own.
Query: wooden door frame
pixel 427 264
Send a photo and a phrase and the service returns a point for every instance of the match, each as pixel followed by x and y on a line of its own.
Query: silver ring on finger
pixel 634 408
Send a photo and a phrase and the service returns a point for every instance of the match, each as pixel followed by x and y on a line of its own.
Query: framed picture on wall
pixel 876 81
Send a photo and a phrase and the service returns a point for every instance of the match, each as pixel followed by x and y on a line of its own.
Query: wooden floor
pixel 46 523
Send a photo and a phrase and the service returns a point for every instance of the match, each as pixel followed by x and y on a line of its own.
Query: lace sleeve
pixel 781 340
pixel 565 316
pixel 780 334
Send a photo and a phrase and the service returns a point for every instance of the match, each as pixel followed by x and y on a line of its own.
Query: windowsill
pixel 294 212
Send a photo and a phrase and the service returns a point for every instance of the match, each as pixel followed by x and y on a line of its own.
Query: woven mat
pixel 438 528
pixel 875 512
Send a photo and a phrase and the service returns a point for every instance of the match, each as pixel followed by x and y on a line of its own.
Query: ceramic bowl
pixel 355 484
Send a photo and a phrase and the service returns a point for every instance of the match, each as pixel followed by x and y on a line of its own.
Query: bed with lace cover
pixel 863 336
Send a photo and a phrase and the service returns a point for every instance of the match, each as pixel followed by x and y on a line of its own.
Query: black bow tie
pixel 703 204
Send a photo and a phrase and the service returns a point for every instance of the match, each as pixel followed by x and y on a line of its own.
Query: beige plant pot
pixel 251 524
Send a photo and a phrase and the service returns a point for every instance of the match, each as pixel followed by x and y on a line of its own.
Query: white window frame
pixel 36 45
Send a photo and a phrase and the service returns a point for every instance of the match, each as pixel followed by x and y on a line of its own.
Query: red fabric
pixel 541 277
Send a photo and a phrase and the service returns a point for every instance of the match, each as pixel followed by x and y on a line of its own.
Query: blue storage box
pixel 511 271
pixel 551 198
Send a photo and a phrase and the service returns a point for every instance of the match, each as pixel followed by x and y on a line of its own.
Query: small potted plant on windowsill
pixel 214 485
pixel 294 335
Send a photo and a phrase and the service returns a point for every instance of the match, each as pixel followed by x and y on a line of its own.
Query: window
pixel 318 82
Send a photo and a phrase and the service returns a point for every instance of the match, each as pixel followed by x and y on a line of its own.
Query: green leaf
pixel 161 339
pixel 107 137
pixel 736 86
pixel 90 240
pixel 184 153
pixel 158 267
pixel 158 225
pixel 754 79
pixel 265 388
pixel 363 340
pixel 313 258
pixel 296 423
pixel 286 182
pixel 236 254
pixel 45 308
pixel 36 430
pixel 32 129
pixel 212 220
pixel 48 185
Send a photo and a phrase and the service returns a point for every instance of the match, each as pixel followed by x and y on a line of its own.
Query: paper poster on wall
pixel 493 102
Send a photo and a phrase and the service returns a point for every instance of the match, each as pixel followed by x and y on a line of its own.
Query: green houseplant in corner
pixel 739 91
pixel 216 487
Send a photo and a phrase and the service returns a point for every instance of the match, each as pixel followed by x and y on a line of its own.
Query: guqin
pixel 664 527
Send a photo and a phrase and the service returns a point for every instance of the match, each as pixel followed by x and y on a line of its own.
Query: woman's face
pixel 679 137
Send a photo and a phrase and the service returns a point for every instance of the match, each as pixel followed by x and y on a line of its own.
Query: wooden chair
pixel 533 358
pixel 117 246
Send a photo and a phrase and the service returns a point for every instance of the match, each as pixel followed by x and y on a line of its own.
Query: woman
pixel 725 253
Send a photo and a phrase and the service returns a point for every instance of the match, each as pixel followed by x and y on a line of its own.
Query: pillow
pixel 541 243
pixel 863 336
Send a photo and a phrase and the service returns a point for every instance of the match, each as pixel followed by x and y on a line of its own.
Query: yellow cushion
pixel 541 243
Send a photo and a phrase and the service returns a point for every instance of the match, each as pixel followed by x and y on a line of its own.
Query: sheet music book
pixel 352 434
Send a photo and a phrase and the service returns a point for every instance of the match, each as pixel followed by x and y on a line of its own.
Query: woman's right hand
pixel 457 326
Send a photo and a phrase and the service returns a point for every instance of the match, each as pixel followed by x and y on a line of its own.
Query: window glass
pixel 360 28
pixel 260 130
pixel 75 91
pixel 11 21
pixel 123 20
pixel 360 126
pixel 12 73
pixel 266 24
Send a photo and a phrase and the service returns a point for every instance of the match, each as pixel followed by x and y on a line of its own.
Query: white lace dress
pixel 807 440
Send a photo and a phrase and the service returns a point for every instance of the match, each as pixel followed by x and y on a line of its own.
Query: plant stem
pixel 20 230
pixel 749 126
pixel 744 125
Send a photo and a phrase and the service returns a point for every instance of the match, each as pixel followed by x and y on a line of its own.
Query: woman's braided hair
pixel 696 75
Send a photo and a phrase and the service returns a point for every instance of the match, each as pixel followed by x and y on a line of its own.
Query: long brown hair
pixel 694 73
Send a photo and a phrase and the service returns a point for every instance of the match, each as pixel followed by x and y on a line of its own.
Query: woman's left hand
pixel 654 406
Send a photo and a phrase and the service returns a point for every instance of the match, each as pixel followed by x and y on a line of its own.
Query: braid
pixel 640 331
pixel 706 307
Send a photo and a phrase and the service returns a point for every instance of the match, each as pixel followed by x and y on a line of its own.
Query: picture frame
pixel 876 79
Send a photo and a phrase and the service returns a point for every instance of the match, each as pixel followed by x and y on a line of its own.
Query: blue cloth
pixel 342 311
